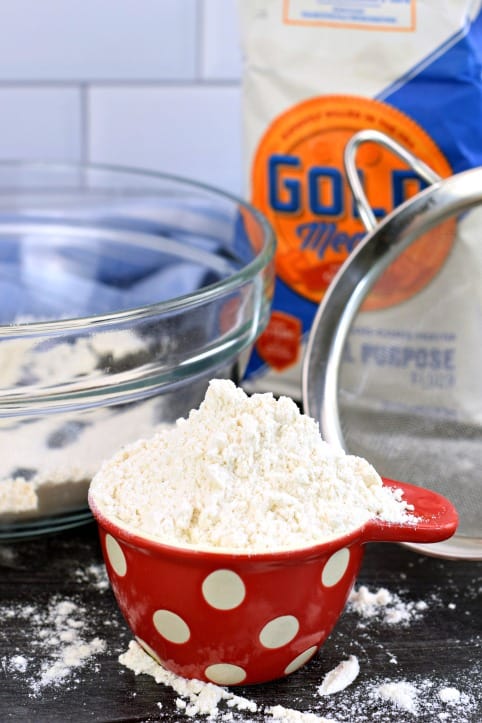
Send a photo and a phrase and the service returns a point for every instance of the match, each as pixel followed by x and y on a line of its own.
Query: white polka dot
pixel 149 650
pixel 300 660
pixel 225 674
pixel 171 626
pixel 116 556
pixel 336 567
pixel 279 631
pixel 223 590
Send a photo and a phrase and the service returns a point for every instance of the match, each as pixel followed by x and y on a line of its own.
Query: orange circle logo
pixel 299 183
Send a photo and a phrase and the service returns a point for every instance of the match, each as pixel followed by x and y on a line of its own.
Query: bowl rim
pixel 150 543
pixel 432 518
pixel 207 293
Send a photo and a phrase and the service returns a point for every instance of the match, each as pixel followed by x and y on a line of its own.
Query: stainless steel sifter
pixel 364 409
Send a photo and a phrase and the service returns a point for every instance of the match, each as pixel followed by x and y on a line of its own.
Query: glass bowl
pixel 123 293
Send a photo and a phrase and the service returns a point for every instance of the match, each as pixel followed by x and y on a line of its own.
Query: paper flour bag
pixel 317 72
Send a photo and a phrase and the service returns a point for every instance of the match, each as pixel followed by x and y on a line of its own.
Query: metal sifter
pixel 399 381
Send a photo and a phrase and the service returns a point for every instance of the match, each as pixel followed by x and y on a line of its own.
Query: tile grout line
pixel 199 29
pixel 123 83
pixel 84 123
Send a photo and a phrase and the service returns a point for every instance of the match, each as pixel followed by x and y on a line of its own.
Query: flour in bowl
pixel 249 473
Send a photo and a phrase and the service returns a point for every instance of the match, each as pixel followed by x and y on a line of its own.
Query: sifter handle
pixel 373 136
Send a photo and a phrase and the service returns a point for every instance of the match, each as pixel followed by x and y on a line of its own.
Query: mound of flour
pixel 248 473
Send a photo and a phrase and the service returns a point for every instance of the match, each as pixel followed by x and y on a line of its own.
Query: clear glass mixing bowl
pixel 122 294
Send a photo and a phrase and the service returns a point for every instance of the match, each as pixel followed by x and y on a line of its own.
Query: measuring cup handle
pixel 436 518
pixel 373 136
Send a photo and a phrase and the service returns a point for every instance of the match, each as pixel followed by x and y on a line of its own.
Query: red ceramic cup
pixel 240 618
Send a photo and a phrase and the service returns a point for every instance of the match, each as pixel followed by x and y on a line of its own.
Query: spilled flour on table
pixel 401 694
pixel 58 635
pixel 340 677
pixel 426 697
pixel 449 695
pixel 280 714
pixel 384 606
pixel 195 697
pixel 199 698
pixel 211 702
pixel 95 576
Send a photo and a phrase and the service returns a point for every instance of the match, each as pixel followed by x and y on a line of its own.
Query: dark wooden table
pixel 438 648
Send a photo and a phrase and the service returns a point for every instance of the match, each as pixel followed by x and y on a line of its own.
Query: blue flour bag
pixel 316 73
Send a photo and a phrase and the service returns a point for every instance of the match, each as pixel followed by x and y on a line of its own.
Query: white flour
pixel 247 473
pixel 280 714
pixel 94 575
pixel 196 697
pixel 58 634
pixel 207 699
pixel 383 605
pixel 340 677
pixel 449 695
pixel 424 696
pixel 64 450
pixel 402 694
pixel 417 697
pixel 51 479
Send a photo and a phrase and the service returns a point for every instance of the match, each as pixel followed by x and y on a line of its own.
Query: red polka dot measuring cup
pixel 239 618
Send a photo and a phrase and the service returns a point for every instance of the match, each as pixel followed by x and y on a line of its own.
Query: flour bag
pixel 315 73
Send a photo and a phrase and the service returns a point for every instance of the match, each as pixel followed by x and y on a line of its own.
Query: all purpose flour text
pixel 428 365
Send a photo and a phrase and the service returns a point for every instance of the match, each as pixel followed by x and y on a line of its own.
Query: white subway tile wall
pixel 122 40
pixel 40 123
pixel 220 50
pixel 191 131
pixel 145 83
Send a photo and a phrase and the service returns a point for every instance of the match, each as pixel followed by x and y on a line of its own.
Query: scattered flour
pixel 402 694
pixel 94 575
pixel 279 714
pixel 449 695
pixel 196 697
pixel 199 698
pixel 246 473
pixel 384 605
pixel 17 663
pixel 421 697
pixel 57 634
pixel 391 700
pixel 340 677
